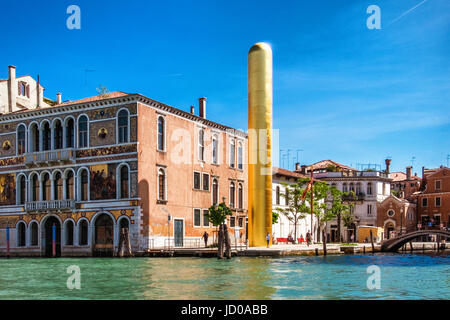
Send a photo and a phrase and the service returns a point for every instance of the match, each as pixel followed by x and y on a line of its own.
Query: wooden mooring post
pixel 411 246
pixel 124 243
pixel 371 241
pixel 324 241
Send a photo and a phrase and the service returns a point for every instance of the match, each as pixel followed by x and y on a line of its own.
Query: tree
pixel 295 207
pixel 275 217
pixel 338 207
pixel 347 216
pixel 217 215
pixel 320 191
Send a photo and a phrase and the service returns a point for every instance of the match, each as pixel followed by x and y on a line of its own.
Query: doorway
pixel 104 236
pixel 178 232
pixel 48 236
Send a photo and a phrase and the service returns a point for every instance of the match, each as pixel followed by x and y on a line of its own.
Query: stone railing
pixel 50 156
pixel 50 205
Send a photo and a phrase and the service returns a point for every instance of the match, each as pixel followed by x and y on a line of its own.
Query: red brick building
pixel 403 184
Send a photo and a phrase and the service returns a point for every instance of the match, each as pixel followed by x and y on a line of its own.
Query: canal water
pixel 402 276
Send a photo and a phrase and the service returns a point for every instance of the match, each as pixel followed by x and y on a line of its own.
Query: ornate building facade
pixel 91 167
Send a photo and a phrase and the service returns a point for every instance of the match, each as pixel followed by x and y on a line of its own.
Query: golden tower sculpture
pixel 260 144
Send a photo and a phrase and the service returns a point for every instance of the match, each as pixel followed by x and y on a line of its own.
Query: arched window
pixel 344 187
pixel 69 233
pixel 201 145
pixel 46 187
pixel 124 183
pixel 21 139
pixel 57 135
pixel 70 133
pixel 215 149
pixel 22 187
pixel 232 195
pixel 84 185
pixel 70 185
pixel 83 232
pixel 21 235
pixel 352 187
pixel 277 195
pixel 161 133
pixel 358 188
pixel 123 126
pixel 34 234
pixel 58 186
pixel 161 185
pixel 240 156
pixel 34 187
pixel 215 190
pixel 232 154
pixel 47 136
pixel 369 188
pixel 34 138
pixel 240 196
pixel 83 132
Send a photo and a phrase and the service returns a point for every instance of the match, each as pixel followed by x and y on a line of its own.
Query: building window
pixel 232 153
pixel 123 126
pixel 46 187
pixel 197 179
pixel 34 188
pixel 205 218
pixel 34 139
pixel 58 186
pixel 34 234
pixel 124 182
pixel 390 213
pixel 240 196
pixel 369 188
pixel 21 140
pixel 286 195
pixel 47 136
pixel 369 209
pixel 84 184
pixel 352 187
pixel 69 233
pixel 437 201
pixel 232 195
pixel 70 136
pixel 69 185
pixel 424 202
pixel 241 222
pixel 277 195
pixel 83 132
pixel 21 235
pixel 344 188
pixel 57 135
pixel 215 149
pixel 197 218
pixel 437 184
pixel 201 145
pixel 161 185
pixel 215 190
pixel 240 156
pixel 232 222
pixel 206 182
pixel 358 188
pixel 83 233
pixel 161 133
pixel 22 187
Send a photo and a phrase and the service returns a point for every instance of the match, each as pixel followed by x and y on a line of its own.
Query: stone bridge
pixel 396 243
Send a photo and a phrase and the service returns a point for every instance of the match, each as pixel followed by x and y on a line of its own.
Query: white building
pixel 283 228
pixel 370 187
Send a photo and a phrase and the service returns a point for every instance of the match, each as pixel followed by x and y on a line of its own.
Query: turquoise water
pixel 403 276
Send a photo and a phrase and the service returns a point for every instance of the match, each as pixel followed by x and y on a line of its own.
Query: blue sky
pixel 341 91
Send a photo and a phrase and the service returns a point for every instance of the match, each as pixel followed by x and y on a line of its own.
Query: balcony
pixel 50 156
pixel 51 205
pixel 357 197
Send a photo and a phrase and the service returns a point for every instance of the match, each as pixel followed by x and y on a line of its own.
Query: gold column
pixel 260 143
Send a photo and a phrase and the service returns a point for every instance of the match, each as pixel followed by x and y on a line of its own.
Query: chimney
pixel 202 108
pixel 423 172
pixel 304 169
pixel 58 98
pixel 388 164
pixel 12 89
pixel 408 172
pixel 38 93
pixel 192 110
pixel 297 166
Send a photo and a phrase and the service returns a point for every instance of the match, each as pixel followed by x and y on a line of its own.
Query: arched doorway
pixel 389 229
pixel 104 236
pixel 48 236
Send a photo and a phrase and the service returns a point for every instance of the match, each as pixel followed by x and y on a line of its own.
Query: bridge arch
pixel 394 244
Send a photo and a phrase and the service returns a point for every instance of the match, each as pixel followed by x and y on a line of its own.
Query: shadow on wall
pixel 143 192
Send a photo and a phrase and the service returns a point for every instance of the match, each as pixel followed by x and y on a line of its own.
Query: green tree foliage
pixel 217 214
pixel 275 217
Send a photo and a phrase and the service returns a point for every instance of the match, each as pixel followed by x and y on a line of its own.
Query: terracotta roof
pixel 401 176
pixel 326 163
pixel 114 94
pixel 287 173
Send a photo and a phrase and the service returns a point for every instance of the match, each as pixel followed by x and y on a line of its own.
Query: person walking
pixel 308 238
pixel 205 238
pixel 268 239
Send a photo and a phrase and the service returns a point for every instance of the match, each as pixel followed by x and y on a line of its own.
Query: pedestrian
pixel 268 239
pixel 308 238
pixel 352 238
pixel 205 238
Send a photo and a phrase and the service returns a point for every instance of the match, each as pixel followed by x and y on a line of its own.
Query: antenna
pixel 448 158
pixel 412 161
